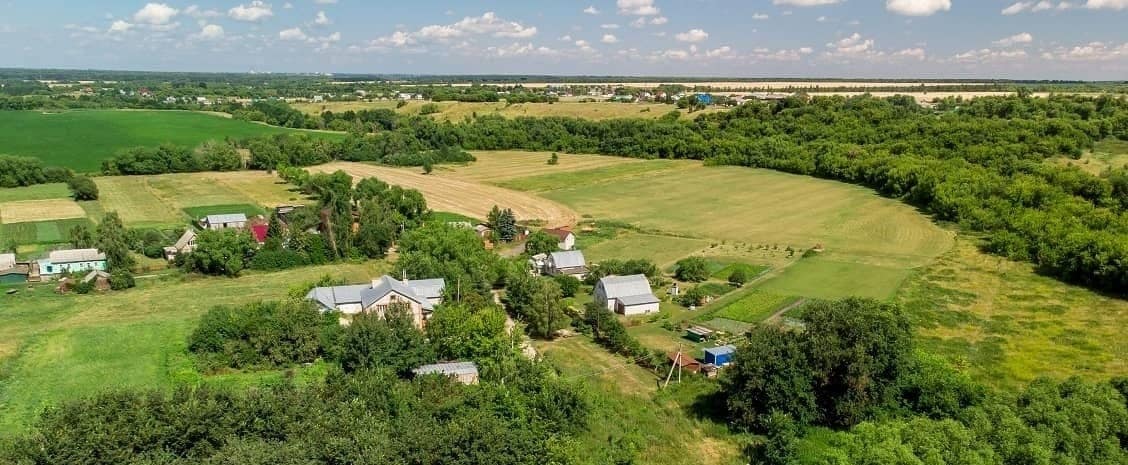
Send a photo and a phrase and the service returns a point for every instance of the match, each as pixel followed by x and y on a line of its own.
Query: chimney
pixel 375 282
pixel 405 283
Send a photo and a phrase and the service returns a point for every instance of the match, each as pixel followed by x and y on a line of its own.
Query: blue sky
pixel 1035 39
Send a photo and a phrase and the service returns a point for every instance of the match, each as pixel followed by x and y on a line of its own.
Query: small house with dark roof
pixel 185 244
pixel 420 297
pixel 570 263
pixel 629 295
pixel 566 240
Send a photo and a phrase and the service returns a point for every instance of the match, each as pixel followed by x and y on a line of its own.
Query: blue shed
pixel 704 99
pixel 720 356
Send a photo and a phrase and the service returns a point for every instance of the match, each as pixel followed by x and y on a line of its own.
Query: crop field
pixel 463 197
pixel 754 307
pixel 36 192
pixel 662 250
pixel 80 140
pixel 458 111
pixel 162 199
pixel 26 211
pixel 135 202
pixel 494 166
pixel 1008 325
pixel 56 347
pixel 258 186
pixel 39 232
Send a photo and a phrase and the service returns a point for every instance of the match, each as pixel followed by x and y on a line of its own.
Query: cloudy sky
pixel 1036 39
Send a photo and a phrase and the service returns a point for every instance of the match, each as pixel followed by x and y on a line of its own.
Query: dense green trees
pixel 261 335
pixel 112 239
pixel 26 171
pixel 538 302
pixel 541 242
pixel 83 188
pixel 225 252
pixel 168 158
pixel 390 341
pixel 692 269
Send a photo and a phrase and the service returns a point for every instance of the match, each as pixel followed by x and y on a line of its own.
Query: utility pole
pixel 677 358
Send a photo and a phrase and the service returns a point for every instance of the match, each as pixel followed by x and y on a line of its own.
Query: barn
pixel 629 295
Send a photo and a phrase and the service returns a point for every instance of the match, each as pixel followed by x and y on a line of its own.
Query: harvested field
pixel 26 211
pixel 135 202
pixel 262 188
pixel 37 192
pixel 458 196
pixel 503 165
pixel 757 84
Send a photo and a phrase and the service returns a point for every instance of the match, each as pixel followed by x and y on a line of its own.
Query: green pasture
pixel 754 306
pixel 56 190
pixel 830 279
pixel 80 140
pixel 40 232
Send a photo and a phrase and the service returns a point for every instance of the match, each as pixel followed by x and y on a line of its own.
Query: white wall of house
pixel 639 309
pixel 395 297
pixel 599 294
pixel 568 243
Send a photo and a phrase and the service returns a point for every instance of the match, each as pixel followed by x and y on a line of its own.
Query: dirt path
pixel 779 313
pixel 462 197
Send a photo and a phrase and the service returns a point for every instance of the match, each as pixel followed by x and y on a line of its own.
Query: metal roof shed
pixel 720 356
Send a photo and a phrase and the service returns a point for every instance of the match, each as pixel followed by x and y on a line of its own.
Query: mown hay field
pixel 445 193
pixel 80 140
pixel 161 199
pixel 494 166
pixel 27 211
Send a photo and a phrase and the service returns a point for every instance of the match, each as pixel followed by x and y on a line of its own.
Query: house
pixel 565 239
pixel 570 263
pixel 71 261
pixel 629 295
pixel 483 230
pixel 170 100
pixel 720 356
pixel 318 98
pixel 225 221
pixel 10 271
pixel 101 280
pixel 704 99
pixel 463 372
pixel 186 244
pixel 420 296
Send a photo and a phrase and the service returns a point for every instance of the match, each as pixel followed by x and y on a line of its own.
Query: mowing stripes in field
pixel 26 211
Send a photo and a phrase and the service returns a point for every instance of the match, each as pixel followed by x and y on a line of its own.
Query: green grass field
pixel 40 232
pixel 832 279
pixel 55 347
pixel 458 111
pixel 662 250
pixel 37 192
pixel 754 307
pixel 80 140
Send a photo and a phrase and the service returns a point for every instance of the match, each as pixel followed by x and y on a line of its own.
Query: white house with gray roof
pixel 571 263
pixel 420 296
pixel 71 261
pixel 464 372
pixel 629 295
pixel 225 221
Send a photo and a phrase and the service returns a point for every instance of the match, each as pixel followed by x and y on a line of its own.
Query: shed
pixel 684 361
pixel 720 356
pixel 571 263
pixel 464 372
pixel 629 295
pixel 698 333
pixel 229 220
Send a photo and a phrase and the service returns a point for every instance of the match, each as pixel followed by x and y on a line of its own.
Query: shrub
pixel 121 280
pixel 261 335
pixel 738 277
pixel 569 285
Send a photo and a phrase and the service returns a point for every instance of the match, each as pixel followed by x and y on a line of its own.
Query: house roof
pixel 449 369
pixel 7 260
pixel 617 287
pixel 569 259
pixel 226 218
pixel 367 294
pixel 722 350
pixel 640 299
pixel 684 360
pixel 76 255
pixel 185 239
pixel 559 233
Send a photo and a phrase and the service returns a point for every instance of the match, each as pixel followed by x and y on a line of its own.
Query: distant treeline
pixel 27 171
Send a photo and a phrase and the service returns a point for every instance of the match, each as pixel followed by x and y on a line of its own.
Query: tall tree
pixel 112 239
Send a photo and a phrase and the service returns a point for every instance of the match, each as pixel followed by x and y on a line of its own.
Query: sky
pixel 1035 39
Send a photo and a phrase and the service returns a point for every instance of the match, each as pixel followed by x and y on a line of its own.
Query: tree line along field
pixel 80 140
pixel 458 111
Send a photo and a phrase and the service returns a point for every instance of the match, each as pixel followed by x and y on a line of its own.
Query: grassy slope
pixel 54 347
pixel 80 140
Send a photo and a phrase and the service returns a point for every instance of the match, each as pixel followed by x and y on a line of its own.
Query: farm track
pixel 462 197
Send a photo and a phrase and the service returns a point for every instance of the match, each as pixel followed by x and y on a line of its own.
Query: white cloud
pixel 760 16
pixel 1092 51
pixel 1020 38
pixel 822 19
pixel 917 7
pixel 806 2
pixel 321 19
pixel 156 14
pixel 637 7
pixel 487 24
pixel 255 11
pixel 325 2
pixel 120 26
pixel 292 34
pixel 658 21
pixel 211 32
pixel 1043 5
pixel 196 12
pixel 989 55
pixel 692 35
pixel 853 45
pixel 566 38
pixel 720 52
pixel 916 52
pixel 609 39
pixel 591 10
pixel 609 26
pixel 1109 4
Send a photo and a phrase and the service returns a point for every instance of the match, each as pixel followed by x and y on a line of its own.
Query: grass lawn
pixel 56 190
pixel 246 209
pixel 1008 325
pixel 658 426
pixel 830 279
pixel 55 347
pixel 80 140
pixel 662 250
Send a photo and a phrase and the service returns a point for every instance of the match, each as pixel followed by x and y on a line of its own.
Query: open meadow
pixel 55 347
pixel 458 111
pixel 80 140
